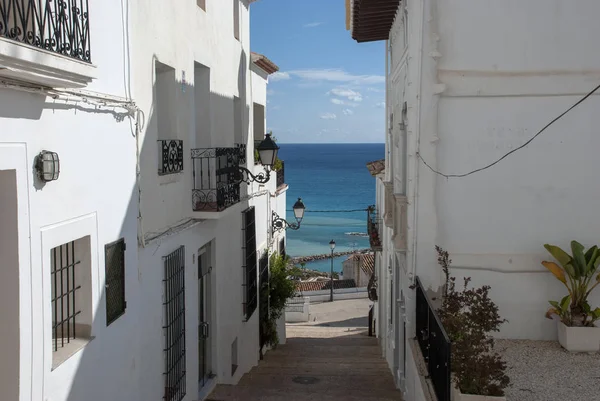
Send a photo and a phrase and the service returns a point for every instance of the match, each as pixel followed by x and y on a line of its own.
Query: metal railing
pixel 434 343
pixel 170 155
pixel 281 175
pixel 57 26
pixel 373 228
pixel 214 172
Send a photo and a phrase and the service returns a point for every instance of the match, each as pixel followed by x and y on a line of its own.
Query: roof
pixel 367 263
pixel 376 167
pixel 370 20
pixel 325 285
pixel 263 63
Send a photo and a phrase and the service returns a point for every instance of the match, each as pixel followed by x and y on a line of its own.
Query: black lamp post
pixel 279 223
pixel 332 246
pixel 267 154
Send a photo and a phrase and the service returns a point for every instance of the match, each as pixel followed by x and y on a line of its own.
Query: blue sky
pixel 329 88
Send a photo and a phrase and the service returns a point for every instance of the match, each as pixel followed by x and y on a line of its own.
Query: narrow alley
pixel 330 358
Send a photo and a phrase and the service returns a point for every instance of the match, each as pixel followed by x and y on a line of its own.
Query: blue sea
pixel 329 177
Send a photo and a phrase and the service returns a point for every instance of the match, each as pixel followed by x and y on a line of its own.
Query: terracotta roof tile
pixel 262 62
pixel 325 285
pixel 376 167
pixel 367 263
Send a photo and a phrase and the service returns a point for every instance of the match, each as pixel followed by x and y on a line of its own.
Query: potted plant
pixel 469 316
pixel 580 273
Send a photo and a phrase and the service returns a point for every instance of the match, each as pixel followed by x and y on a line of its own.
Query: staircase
pixel 318 362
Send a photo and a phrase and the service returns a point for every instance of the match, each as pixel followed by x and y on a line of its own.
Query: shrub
pixel 469 317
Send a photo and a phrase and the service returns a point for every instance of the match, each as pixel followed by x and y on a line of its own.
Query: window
pixel 258 111
pixel 174 325
pixel 201 4
pixel 282 247
pixel 165 99
pixel 250 275
pixel 236 19
pixel 114 263
pixel 234 356
pixel 70 273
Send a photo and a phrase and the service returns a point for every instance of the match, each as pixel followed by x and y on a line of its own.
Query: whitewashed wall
pixel 94 196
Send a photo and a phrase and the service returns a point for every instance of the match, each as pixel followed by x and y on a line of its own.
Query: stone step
pixel 292 391
pixel 342 341
pixel 333 369
pixel 348 382
pixel 302 397
pixel 325 351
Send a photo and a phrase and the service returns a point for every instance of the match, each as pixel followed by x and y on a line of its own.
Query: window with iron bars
pixel 282 247
pixel 64 288
pixel 174 325
pixel 249 269
pixel 114 260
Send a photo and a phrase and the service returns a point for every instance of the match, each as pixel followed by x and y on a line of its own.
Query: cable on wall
pixel 514 150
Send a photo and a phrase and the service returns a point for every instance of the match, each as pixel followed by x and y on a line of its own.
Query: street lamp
pixel 332 246
pixel 267 155
pixel 279 223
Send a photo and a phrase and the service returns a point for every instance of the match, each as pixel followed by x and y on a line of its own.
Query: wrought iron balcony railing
pixel 58 26
pixel 281 175
pixel 373 229
pixel 170 155
pixel 215 178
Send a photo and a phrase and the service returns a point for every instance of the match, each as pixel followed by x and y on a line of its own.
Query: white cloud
pixel 270 92
pixel 374 90
pixel 337 101
pixel 381 105
pixel 279 76
pixel 347 112
pixel 328 116
pixel 333 75
pixel 347 93
pixel 312 24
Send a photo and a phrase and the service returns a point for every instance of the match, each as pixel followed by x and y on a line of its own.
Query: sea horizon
pixel 336 187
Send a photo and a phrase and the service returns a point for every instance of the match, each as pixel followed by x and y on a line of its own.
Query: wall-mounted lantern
pixel 278 223
pixel 47 166
pixel 267 154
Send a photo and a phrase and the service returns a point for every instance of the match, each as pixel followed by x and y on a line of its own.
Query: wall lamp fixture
pixel 279 223
pixel 267 154
pixel 47 166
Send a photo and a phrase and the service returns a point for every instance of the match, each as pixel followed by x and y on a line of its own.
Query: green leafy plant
pixel 469 316
pixel 580 273
pixel 277 290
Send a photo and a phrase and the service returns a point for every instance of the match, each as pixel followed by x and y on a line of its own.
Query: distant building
pixel 359 267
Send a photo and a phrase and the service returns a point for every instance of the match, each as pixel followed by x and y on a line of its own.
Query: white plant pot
pixel 579 339
pixel 458 396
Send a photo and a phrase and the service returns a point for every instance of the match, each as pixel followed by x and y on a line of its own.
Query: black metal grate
pixel 281 175
pixel 241 147
pixel 214 172
pixel 114 262
pixel 57 26
pixel 250 276
pixel 171 157
pixel 64 288
pixel 282 247
pixel 174 328
pixel 434 343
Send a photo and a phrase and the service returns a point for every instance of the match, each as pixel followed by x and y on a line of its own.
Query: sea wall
pixel 312 258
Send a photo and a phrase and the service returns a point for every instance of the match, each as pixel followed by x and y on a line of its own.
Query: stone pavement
pixel 330 358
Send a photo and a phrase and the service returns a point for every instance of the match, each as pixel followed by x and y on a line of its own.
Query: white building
pixel 359 267
pixel 468 82
pixel 134 274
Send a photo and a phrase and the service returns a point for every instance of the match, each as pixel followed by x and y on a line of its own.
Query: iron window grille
pixel 241 147
pixel 214 173
pixel 249 268
pixel 434 343
pixel 171 156
pixel 64 288
pixel 282 247
pixel 114 260
pixel 281 175
pixel 57 26
pixel 174 325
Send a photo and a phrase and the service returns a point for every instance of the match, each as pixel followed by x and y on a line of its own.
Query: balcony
pixel 281 175
pixel 373 228
pixel 46 42
pixel 215 173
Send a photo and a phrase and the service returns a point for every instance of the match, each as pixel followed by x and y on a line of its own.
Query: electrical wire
pixel 332 211
pixel 514 150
